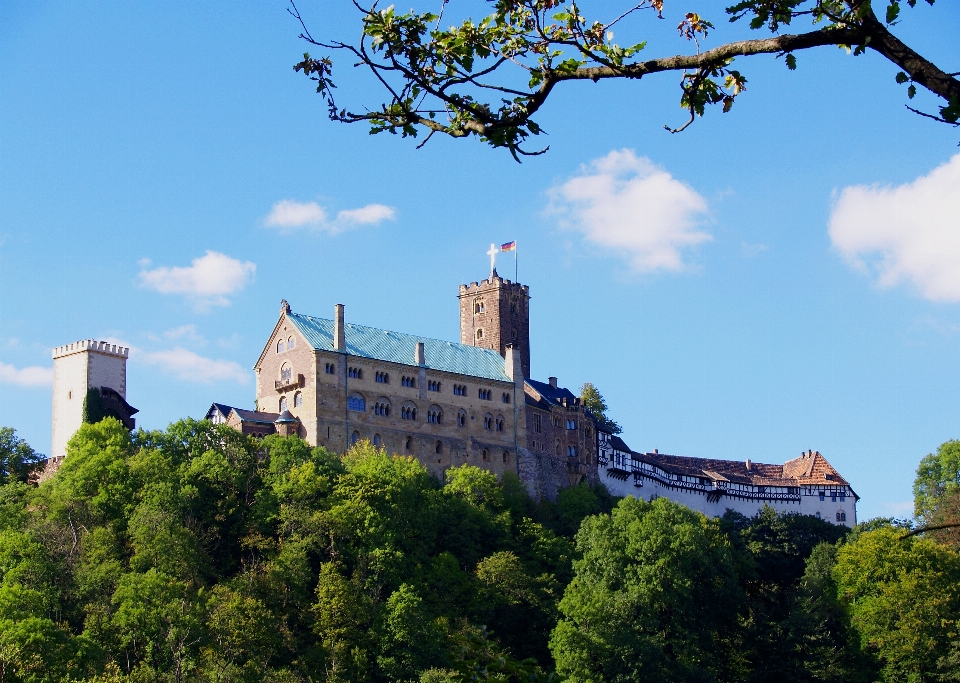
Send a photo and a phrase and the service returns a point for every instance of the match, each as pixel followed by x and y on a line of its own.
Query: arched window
pixel 506 455
pixel 462 418
pixel 488 421
pixel 486 454
pixel 480 333
pixel 376 440
pixel 280 346
pixel 297 400
pixel 286 372
pixel 499 423
pixel 841 516
pixel 438 448
pixel 557 449
pixel 408 412
pixel 382 407
pixel 357 403
pixel 283 403
pixel 355 437
pixel 409 443
pixel 435 415
pixel 478 306
pixel 291 343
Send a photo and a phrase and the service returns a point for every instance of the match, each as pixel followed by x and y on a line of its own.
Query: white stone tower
pixel 78 367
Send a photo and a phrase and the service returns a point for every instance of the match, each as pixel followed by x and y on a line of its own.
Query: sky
pixel 782 277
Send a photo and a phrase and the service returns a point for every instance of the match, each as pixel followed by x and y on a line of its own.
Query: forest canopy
pixel 199 554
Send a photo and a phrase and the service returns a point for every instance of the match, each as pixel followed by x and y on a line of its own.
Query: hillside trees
pixel 17 458
pixel 489 78
pixel 199 554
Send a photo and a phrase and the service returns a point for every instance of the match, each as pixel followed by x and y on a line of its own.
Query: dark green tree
pixel 938 476
pixel 17 458
pixel 593 401
pixel 655 597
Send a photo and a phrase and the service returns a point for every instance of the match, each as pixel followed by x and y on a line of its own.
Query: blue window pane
pixel 357 403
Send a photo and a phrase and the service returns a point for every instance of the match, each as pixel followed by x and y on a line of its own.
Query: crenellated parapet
pixel 86 345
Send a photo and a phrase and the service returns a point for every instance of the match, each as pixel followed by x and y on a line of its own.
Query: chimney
pixel 656 452
pixel 512 366
pixel 553 381
pixel 418 354
pixel 339 336
pixel 748 464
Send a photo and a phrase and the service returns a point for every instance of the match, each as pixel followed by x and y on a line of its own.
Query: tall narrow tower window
pixel 480 334
pixel 478 306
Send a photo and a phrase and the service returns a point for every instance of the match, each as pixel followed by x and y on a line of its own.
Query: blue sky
pixel 782 277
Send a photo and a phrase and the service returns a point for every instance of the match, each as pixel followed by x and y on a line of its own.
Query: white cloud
pixel 207 281
pixel 904 234
pixel 290 214
pixel 191 367
pixel 630 205
pixel 32 376
pixel 287 215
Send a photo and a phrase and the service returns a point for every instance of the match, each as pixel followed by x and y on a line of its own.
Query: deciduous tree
pixel 489 78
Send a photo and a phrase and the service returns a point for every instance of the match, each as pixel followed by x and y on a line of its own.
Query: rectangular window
pixel 572 451
pixel 821 495
pixel 843 496
pixel 537 427
pixel 833 497
pixel 433 385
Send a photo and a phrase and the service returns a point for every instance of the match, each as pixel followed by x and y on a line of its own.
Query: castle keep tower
pixel 83 365
pixel 494 314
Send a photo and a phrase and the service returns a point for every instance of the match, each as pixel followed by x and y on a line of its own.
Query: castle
pixel 334 383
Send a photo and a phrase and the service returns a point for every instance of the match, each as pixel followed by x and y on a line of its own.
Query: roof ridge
pixel 405 334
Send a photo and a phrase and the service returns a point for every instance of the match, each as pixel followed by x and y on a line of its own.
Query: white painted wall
pixel 76 368
pixel 810 503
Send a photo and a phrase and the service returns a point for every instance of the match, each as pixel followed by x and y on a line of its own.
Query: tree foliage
pixel 17 458
pixel 489 78
pixel 200 554
pixel 593 401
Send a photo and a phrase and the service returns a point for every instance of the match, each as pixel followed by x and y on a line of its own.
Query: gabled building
pixel 807 485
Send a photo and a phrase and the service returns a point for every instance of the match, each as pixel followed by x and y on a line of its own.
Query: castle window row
pixel 484 394
pixel 382 377
pixel 355 373
pixel 433 385
pixel 408 381
pixel 281 347
pixel 505 397
pixel 459 390
pixel 408 413
pixel 329 368
pixel 435 416
pixel 437 446
pixel 381 408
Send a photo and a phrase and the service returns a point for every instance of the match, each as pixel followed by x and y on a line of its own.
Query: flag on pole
pixel 509 246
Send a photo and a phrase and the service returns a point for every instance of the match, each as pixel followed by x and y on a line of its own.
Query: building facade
pixel 806 485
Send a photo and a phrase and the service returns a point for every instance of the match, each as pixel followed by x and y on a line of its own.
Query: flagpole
pixel 516 272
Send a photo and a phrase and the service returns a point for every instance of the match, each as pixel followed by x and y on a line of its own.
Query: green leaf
pixel 902 77
pixel 791 62
pixel 893 11
pixel 911 91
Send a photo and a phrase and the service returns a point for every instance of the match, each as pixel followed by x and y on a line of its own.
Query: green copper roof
pixel 396 347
